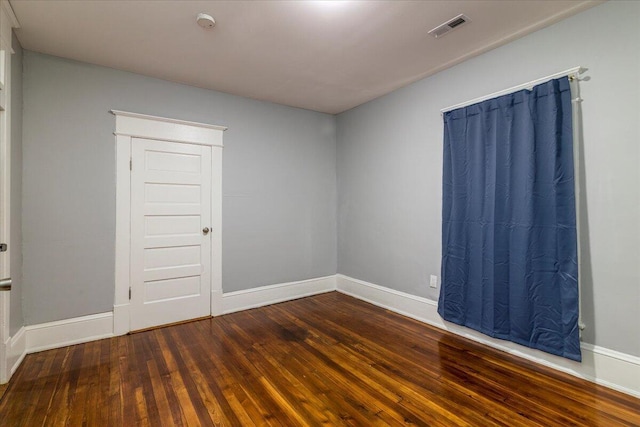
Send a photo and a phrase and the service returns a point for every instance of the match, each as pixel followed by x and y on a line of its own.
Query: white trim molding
pixel 606 367
pixel 8 21
pixel 603 366
pixel 5 338
pixel 45 336
pixel 61 333
pixel 134 125
pixel 165 129
pixel 123 234
pixel 77 330
pixel 17 350
pixel 272 294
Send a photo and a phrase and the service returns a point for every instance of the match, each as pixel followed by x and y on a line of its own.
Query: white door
pixel 170 232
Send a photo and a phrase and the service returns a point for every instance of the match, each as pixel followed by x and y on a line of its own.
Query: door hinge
pixel 129 293
pixel 3 247
pixel 130 164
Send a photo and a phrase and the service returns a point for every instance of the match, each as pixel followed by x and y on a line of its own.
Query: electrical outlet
pixel 433 281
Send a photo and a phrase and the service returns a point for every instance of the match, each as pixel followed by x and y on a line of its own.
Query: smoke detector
pixel 443 29
pixel 205 21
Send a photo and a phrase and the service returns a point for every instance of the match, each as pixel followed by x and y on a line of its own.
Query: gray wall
pixel 389 164
pixel 279 183
pixel 279 177
pixel 16 319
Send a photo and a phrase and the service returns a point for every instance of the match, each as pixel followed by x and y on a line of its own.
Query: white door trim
pixel 128 126
pixel 8 21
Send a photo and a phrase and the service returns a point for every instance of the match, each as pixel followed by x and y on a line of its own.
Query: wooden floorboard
pixel 3 388
pixel 324 360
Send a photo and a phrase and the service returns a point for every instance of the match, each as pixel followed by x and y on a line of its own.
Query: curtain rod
pixel 571 72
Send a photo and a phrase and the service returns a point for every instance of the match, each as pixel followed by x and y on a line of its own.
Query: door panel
pixel 172 224
pixel 175 162
pixel 170 253
pixel 172 194
pixel 158 258
pixel 159 290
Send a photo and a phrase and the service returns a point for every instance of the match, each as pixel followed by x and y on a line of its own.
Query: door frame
pixel 8 22
pixel 134 125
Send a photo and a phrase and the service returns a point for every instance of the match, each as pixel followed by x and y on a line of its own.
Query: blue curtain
pixel 509 247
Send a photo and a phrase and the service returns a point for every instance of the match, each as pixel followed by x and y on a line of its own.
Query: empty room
pixel 301 213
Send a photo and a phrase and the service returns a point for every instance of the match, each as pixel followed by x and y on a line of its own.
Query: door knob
pixel 205 230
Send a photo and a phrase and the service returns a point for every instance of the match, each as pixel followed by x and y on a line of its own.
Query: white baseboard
pixel 13 352
pixel 606 367
pixel 610 368
pixel 266 295
pixel 45 336
pixel 61 333
pixel 4 366
pixel 17 350
pixel 78 330
pixel 5 339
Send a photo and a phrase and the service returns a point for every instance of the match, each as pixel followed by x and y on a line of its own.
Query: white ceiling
pixel 326 56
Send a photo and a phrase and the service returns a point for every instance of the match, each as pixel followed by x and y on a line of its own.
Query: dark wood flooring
pixel 327 359
pixel 3 388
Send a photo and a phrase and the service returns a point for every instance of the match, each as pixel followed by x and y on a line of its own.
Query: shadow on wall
pixel 587 310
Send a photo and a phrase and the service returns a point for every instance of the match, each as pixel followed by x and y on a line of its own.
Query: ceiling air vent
pixel 443 29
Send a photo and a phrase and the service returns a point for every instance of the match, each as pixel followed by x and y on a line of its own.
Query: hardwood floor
pixel 3 388
pixel 327 359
